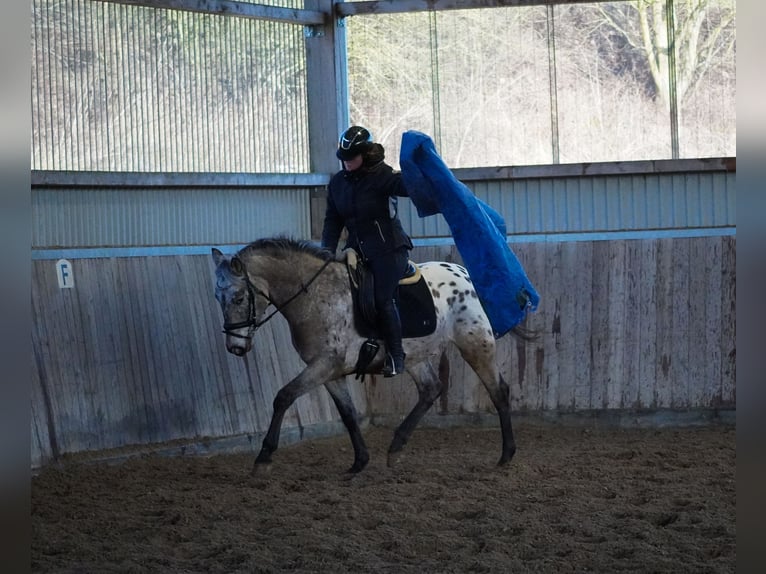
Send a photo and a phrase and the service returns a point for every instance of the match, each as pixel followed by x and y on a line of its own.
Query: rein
pixel 252 290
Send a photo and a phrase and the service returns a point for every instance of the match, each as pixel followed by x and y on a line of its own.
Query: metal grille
pixel 505 86
pixel 126 88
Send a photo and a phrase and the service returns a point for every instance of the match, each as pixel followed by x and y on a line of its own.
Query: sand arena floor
pixel 572 500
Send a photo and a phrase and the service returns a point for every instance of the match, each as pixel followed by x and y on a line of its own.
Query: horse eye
pixel 239 300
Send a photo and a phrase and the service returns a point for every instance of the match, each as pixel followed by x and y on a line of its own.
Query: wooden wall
pixel 133 355
pixel 634 325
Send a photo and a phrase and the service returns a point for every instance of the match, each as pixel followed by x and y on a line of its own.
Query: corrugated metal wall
pixel 118 217
pixel 598 204
pixel 205 209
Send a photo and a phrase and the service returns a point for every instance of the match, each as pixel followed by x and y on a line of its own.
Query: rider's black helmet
pixel 354 141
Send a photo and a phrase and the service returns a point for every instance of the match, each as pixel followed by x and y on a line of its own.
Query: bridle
pixel 252 322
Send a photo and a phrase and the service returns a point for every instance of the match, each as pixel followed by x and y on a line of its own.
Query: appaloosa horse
pixel 311 290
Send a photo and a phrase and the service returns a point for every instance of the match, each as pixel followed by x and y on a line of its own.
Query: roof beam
pixel 397 6
pixel 234 8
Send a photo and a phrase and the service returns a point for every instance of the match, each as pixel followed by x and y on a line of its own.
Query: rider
pixel 362 197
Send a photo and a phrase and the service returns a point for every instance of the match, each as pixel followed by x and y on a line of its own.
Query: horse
pixel 311 289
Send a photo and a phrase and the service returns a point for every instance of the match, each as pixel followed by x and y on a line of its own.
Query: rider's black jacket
pixel 364 201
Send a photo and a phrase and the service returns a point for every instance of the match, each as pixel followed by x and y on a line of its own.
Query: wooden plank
pixel 132 348
pixel 71 364
pixel 615 325
pixel 679 368
pixel 565 327
pixel 536 373
pixel 185 402
pixel 132 365
pixel 710 394
pixel 600 325
pixel 101 320
pixel 149 322
pixel 152 352
pixel 514 353
pixel 631 351
pixel 44 413
pixel 646 326
pixel 728 321
pixel 699 306
pixel 582 286
pixel 212 389
pixel 559 390
pixel 665 334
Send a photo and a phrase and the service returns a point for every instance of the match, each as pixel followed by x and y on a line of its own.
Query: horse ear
pixel 236 266
pixel 218 257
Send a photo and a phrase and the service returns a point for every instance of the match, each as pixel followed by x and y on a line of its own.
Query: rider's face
pixel 353 163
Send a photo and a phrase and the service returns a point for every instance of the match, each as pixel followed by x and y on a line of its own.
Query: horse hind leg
pixel 429 388
pixel 481 356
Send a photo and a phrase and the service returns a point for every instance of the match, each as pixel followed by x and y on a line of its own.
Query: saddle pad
pixel 416 310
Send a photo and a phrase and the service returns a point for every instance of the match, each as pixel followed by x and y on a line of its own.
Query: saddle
pixel 413 298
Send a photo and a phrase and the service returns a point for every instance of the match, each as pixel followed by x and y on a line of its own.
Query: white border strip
pixel 175 250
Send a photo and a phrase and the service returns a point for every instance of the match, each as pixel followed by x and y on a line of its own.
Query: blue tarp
pixel 478 230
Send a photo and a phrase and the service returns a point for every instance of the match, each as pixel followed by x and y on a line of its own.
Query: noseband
pixel 252 322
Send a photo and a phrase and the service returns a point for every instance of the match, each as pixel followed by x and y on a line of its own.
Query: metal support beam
pixel 398 6
pixel 234 8
pixel 327 97
pixel 672 80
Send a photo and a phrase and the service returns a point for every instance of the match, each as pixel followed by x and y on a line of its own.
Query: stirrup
pixel 393 366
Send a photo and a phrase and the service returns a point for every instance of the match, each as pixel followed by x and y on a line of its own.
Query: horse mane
pixel 283 243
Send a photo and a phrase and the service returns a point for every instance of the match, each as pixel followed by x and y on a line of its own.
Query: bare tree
pixel 703 32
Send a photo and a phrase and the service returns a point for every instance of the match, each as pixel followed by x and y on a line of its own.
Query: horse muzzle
pixel 238 344
pixel 237 350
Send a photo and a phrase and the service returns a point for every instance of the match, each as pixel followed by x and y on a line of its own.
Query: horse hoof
pixel 504 460
pixel 393 459
pixel 358 466
pixel 261 469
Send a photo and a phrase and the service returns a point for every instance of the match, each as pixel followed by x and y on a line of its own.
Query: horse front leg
pixel 429 388
pixel 339 392
pixel 316 373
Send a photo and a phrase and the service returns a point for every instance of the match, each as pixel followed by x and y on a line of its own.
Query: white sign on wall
pixel 65 274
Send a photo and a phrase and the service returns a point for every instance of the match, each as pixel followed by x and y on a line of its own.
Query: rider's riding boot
pixel 394 364
pixel 391 327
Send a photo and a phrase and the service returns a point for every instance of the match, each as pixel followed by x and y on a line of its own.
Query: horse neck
pixel 287 275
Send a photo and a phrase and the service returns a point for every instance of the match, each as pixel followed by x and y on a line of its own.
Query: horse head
pixel 242 303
